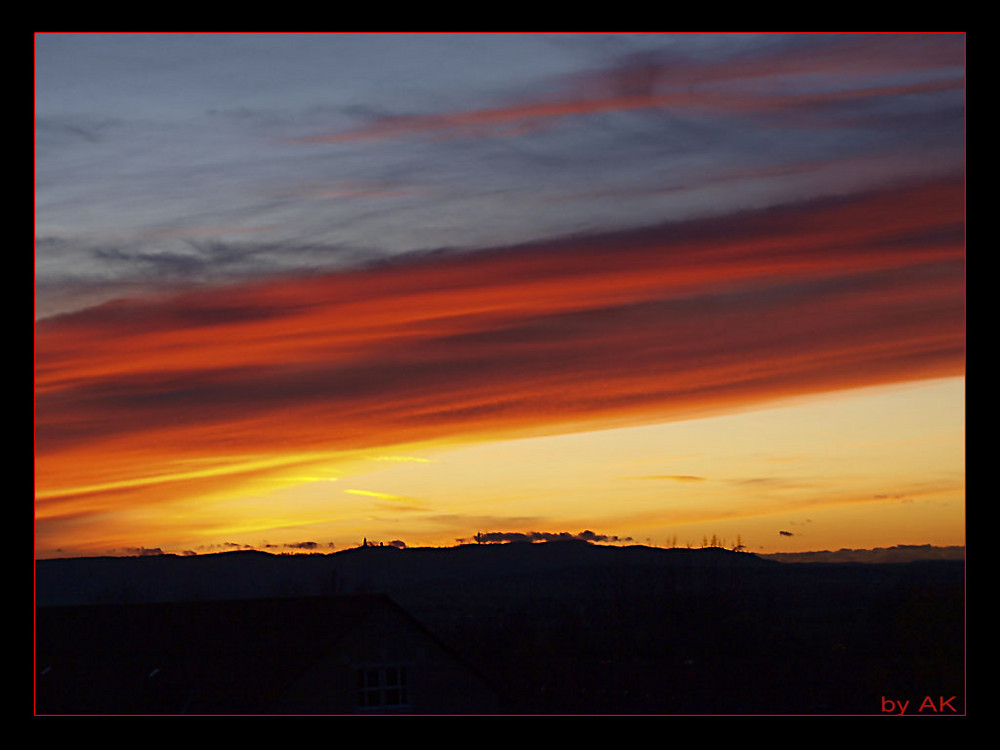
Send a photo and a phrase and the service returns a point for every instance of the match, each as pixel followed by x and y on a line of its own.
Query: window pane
pixel 381 687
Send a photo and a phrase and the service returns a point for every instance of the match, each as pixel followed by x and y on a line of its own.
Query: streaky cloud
pixel 780 78
pixel 668 322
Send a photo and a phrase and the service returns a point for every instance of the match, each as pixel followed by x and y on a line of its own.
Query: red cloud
pixel 679 320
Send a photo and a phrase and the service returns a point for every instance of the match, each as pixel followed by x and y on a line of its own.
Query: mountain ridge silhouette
pixel 570 626
pixel 560 566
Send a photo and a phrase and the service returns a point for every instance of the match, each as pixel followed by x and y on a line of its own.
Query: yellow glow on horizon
pixel 872 453
pixel 220 466
pixel 870 467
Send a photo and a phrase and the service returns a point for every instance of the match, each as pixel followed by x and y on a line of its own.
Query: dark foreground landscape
pixel 555 628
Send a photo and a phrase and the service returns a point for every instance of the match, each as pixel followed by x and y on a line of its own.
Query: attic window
pixel 384 686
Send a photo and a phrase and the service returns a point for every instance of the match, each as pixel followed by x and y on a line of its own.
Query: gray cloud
pixel 164 159
pixel 494 537
pixel 142 551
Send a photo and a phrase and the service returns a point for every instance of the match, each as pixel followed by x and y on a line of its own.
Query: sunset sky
pixel 297 290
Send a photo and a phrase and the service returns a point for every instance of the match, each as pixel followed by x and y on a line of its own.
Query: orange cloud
pixel 151 400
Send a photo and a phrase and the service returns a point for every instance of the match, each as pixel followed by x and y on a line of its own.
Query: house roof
pixel 232 656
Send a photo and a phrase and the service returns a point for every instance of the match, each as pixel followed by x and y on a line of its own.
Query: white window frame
pixel 382 686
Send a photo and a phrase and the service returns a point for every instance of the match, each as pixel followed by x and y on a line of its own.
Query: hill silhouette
pixel 574 627
pixel 560 566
